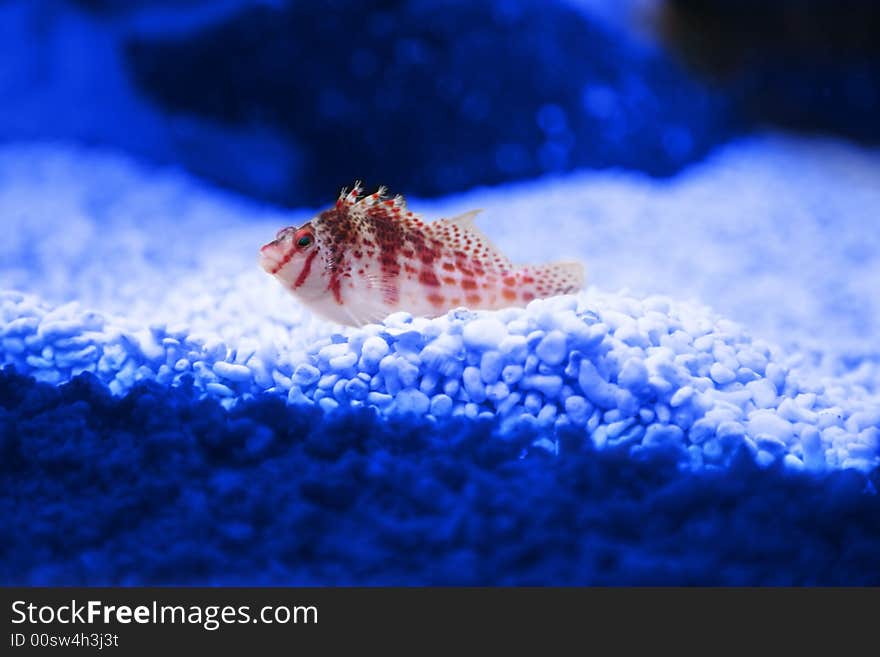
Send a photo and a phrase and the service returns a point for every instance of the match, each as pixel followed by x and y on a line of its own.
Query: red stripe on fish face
pixel 282 262
pixel 306 270
pixel 270 260
pixel 336 287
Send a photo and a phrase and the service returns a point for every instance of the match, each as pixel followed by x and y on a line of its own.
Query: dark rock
pixel 431 98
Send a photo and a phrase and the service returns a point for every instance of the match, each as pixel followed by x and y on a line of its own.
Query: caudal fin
pixel 561 277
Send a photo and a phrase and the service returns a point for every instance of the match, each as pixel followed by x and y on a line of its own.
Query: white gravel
pixel 138 274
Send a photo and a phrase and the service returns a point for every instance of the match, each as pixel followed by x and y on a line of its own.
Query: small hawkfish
pixel 369 256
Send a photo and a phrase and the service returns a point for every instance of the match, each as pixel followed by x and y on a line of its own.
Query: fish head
pixel 294 258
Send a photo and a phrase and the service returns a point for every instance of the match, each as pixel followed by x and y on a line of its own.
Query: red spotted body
pixel 368 256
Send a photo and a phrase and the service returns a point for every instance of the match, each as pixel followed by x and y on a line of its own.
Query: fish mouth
pixel 278 252
pixel 272 257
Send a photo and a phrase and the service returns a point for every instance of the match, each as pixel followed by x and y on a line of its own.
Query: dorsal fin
pixel 466 225
pixel 466 220
pixel 359 204
pixel 347 198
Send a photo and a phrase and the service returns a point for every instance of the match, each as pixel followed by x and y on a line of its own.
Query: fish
pixel 369 256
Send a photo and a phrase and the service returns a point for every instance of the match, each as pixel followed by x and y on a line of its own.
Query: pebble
pixel 379 399
pixel 473 384
pixel 763 393
pixel 776 373
pixel 663 434
pixel 305 375
pixel 38 362
pixel 681 396
pixel 552 348
pixel 508 405
pixel 753 360
pixel 408 373
pixel 633 375
pixel 232 372
pixel 344 362
pixel 441 405
pixel 663 413
pixel 497 391
pixel 327 381
pixel 765 459
pixel 712 450
pixel 730 430
pixel 451 387
pixel 373 350
pixel 813 452
pixel 339 390
pixel 533 403
pixel 484 334
pixel 442 355
pixel 328 404
pixel 512 374
pixel 547 415
pixel 594 387
pixel 356 389
pixel 428 383
pixel 412 401
pixel 615 429
pixel 219 389
pixel 491 366
pixel 721 374
pixel 768 422
pixel 578 409
pixel 547 384
pixel 515 348
pixel 793 412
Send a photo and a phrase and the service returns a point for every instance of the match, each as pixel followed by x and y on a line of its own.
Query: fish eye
pixel 304 241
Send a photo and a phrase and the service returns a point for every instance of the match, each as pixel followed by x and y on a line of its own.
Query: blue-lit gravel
pixel 641 373
pixel 636 370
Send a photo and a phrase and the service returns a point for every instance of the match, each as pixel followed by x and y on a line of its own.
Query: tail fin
pixel 562 277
